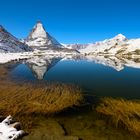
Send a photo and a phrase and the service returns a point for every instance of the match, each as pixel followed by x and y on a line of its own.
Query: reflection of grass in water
pixel 122 113
pixel 25 101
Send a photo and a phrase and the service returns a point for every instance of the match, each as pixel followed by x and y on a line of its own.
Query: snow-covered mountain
pixel 118 45
pixel 40 38
pixel 9 43
pixel 98 46
pixel 106 45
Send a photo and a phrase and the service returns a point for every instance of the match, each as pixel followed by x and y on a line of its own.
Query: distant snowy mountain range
pixel 41 40
pixel 118 45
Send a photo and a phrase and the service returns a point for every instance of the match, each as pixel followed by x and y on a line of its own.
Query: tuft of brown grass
pixel 25 100
pixel 121 113
pixel 28 102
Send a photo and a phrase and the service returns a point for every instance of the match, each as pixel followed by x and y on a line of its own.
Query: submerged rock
pixel 49 130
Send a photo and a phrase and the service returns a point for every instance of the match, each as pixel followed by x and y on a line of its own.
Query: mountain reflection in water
pixel 99 75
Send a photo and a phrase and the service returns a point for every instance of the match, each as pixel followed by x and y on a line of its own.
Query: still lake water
pixel 92 77
pixel 100 77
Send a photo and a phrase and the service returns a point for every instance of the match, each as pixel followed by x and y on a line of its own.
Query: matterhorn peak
pixel 38 31
pixel 39 37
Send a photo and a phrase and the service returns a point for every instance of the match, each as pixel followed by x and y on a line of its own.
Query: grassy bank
pixel 121 113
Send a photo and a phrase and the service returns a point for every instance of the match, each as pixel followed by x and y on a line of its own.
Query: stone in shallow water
pixel 48 137
pixel 49 130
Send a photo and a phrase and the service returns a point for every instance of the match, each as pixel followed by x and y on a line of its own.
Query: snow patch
pixel 8 130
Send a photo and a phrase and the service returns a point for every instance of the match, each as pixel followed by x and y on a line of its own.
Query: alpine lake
pixel 97 76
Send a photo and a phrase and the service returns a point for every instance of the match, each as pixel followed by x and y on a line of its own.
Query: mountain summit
pixel 40 38
pixel 38 32
pixel 120 37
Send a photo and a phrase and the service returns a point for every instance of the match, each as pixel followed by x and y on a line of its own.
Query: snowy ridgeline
pixel 41 40
pixel 117 45
pixel 9 130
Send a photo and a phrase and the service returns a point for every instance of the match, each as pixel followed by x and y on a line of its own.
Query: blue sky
pixel 73 21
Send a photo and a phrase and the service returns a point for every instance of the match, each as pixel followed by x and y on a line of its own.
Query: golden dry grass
pixel 121 113
pixel 39 99
pixel 25 101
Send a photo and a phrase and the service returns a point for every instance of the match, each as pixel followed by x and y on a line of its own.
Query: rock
pixel 49 130
pixel 48 137
pixel 16 125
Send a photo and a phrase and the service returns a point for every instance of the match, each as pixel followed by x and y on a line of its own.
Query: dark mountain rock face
pixel 9 43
